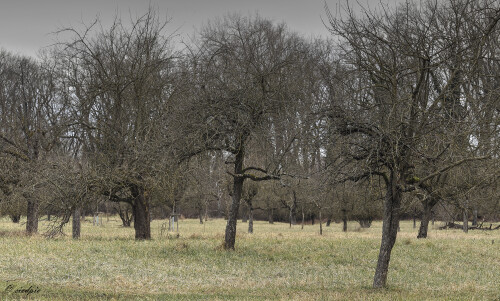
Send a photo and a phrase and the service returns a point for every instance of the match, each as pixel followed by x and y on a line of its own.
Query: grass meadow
pixel 274 263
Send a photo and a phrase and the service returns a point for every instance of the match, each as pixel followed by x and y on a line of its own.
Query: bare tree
pixel 399 69
pixel 120 81
pixel 242 84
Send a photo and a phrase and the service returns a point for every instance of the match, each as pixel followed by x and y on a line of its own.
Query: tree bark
pixel 270 216
pixel 244 216
pixel 428 204
pixel 140 207
pixel 466 221
pixel 344 220
pixel 230 237
pixel 200 214
pixel 32 217
pixel 124 215
pixel 474 217
pixel 250 220
pixel 389 230
pixel 320 224
pixel 303 218
pixel 76 226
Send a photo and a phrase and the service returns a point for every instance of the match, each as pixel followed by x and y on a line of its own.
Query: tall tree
pixel 386 108
pixel 243 71
pixel 120 80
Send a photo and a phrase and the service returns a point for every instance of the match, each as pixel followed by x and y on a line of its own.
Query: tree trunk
pixel 142 221
pixel 293 209
pixel 244 212
pixel 389 230
pixel 424 223
pixel 230 237
pixel 200 214
pixel 320 224
pixel 124 215
pixel 270 216
pixel 32 217
pixel 428 204
pixel 466 221
pixel 15 218
pixel 474 217
pixel 303 219
pixel 76 223
pixel 344 220
pixel 250 220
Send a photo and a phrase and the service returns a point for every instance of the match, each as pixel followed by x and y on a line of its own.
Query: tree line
pixel 395 115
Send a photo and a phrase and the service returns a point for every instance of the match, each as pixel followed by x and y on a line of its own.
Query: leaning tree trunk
pixel 230 237
pixel 389 230
pixel 140 208
pixel 76 226
pixel 32 217
pixel 428 204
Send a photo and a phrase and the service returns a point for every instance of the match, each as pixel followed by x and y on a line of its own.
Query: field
pixel 274 263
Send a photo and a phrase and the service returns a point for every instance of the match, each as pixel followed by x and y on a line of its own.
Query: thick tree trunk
pixel 344 220
pixel 424 223
pixel 428 204
pixel 250 220
pixel 389 230
pixel 76 223
pixel 142 221
pixel 32 217
pixel 230 237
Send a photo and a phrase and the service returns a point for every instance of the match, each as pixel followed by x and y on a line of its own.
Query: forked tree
pixel 397 78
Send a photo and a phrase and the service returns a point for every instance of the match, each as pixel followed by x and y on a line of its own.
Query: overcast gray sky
pixel 26 25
